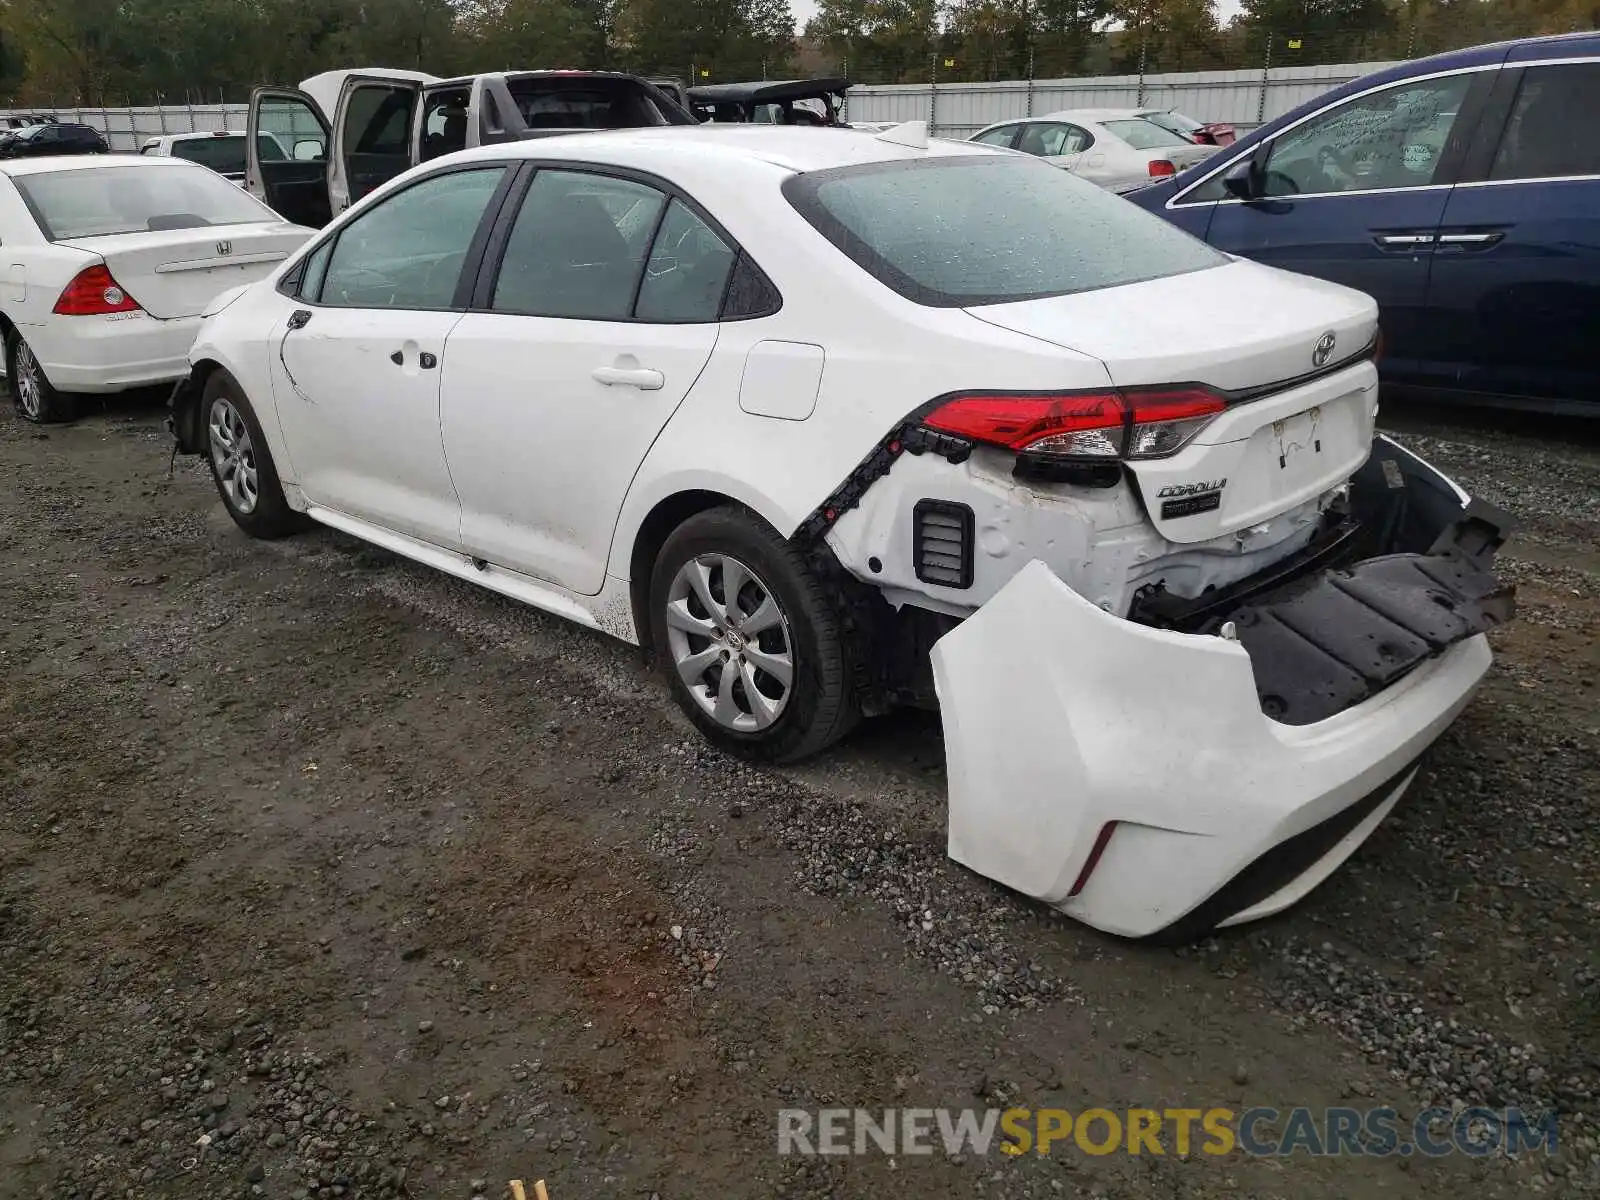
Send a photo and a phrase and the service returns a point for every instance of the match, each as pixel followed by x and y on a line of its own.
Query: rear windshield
pixel 104 200
pixel 553 102
pixel 1144 135
pixel 987 229
pixel 226 154
pixel 1176 122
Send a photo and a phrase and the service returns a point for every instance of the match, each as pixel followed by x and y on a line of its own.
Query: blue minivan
pixel 1461 191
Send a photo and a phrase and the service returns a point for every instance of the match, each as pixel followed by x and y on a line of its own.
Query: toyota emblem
pixel 227 248
pixel 1324 350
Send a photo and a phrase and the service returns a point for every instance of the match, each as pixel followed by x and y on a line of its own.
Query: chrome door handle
pixel 1470 241
pixel 642 378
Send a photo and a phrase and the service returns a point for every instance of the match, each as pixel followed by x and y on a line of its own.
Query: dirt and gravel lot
pixel 322 875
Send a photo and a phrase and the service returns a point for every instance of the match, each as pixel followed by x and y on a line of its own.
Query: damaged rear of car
pixel 1191 628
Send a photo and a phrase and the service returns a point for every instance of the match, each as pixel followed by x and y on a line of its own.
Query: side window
pixel 1389 139
pixel 1546 137
pixel 687 274
pixel 1076 141
pixel 315 271
pixel 577 248
pixel 378 121
pixel 1003 136
pixel 444 123
pixel 291 122
pixel 408 251
pixel 1047 139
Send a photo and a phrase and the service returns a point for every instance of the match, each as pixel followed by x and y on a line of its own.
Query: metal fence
pixel 1242 98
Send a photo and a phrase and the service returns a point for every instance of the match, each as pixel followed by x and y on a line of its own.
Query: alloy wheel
pixel 234 456
pixel 29 383
pixel 730 641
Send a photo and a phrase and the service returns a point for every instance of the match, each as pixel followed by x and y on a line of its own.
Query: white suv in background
pixel 223 150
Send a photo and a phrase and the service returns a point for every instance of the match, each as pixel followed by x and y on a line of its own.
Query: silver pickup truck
pixel 351 131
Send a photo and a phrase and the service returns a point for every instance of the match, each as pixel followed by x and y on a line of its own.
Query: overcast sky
pixel 804 10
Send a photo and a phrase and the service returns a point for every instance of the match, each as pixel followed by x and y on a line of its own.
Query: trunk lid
pixel 177 272
pixel 1296 425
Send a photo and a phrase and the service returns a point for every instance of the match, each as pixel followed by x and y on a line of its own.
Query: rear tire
pixel 763 673
pixel 241 463
pixel 36 398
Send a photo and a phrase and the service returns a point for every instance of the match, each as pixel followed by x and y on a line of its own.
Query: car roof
pixel 1094 114
pixel 89 162
pixel 798 149
pixel 544 72
pixel 201 133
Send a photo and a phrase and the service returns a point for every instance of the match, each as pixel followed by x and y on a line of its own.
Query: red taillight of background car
pixel 1161 168
pixel 1135 423
pixel 93 293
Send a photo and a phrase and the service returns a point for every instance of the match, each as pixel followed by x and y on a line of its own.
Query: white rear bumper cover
pixel 1060 718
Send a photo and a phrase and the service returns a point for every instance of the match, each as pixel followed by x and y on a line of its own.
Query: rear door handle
pixel 1470 241
pixel 642 378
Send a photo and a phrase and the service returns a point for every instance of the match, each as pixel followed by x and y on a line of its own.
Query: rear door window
pixel 976 229
pixel 578 247
pixel 1552 132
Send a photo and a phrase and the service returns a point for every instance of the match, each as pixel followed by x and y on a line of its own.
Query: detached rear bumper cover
pixel 1062 720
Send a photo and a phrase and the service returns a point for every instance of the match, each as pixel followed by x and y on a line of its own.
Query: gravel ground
pixel 323 875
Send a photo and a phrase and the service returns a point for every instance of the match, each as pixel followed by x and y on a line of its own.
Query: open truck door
pixel 372 133
pixel 286 155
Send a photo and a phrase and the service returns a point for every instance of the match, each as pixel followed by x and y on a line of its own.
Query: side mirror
pixel 1240 180
pixel 308 150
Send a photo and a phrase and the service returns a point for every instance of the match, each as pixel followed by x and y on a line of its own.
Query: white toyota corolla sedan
pixel 106 262
pixel 834 423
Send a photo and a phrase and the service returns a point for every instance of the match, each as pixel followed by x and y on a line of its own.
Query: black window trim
pixel 489 267
pixel 801 191
pixel 289 282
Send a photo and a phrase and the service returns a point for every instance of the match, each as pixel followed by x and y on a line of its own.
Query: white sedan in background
pixel 792 409
pixel 1118 149
pixel 106 264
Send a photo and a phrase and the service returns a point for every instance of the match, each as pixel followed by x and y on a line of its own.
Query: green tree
pixel 879 41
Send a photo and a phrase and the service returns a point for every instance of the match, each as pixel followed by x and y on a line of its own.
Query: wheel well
pixel 186 406
pixel 653 533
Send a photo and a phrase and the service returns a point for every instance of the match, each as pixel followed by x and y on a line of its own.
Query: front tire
pixel 35 397
pixel 748 640
pixel 241 463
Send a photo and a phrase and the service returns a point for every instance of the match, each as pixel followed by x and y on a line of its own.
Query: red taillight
pixel 1093 861
pixel 1141 423
pixel 94 293
pixel 1161 168
pixel 1022 422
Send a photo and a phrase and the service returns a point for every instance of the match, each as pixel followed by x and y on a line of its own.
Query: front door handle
pixel 424 360
pixel 642 378
pixel 1405 241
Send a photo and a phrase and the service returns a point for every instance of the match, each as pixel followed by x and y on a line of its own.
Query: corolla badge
pixel 1324 350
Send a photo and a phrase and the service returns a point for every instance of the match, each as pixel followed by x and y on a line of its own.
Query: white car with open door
pixel 792 410
pixel 1118 149
pixel 106 264
pixel 352 131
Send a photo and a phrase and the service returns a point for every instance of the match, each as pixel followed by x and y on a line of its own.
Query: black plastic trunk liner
pixel 1330 642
